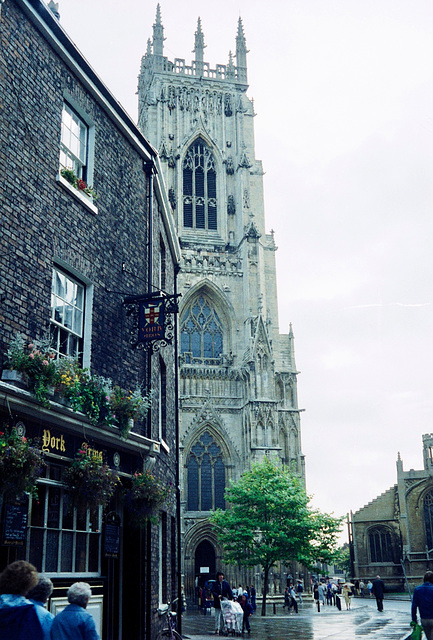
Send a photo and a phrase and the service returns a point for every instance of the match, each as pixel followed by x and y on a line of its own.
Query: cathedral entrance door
pixel 205 563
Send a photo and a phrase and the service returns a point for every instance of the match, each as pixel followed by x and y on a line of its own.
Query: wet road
pixel 362 622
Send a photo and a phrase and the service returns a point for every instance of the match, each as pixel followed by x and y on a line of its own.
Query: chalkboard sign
pixel 112 536
pixel 15 525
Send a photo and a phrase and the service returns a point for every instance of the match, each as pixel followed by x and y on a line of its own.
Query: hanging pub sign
pixel 151 320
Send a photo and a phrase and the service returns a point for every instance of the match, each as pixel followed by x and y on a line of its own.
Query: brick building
pixel 393 534
pixel 68 261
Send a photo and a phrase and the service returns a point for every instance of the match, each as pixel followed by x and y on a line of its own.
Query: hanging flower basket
pixel 90 481
pixel 86 393
pixel 20 465
pixel 144 497
pixel 126 406
pixel 36 360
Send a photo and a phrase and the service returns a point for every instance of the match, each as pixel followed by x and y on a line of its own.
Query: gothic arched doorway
pixel 205 562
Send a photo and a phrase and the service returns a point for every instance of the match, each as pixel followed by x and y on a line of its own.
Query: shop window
pixel 206 475
pixel 62 539
pixel 380 545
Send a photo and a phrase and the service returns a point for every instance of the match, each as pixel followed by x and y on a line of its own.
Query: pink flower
pixel 45 362
pixel 31 355
pixel 31 346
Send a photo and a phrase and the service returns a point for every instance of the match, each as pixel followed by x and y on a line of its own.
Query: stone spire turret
pixel 292 348
pixel 241 53
pixel 199 47
pixel 230 70
pixel 158 34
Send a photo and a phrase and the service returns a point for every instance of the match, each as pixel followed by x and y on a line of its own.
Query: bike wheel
pixel 166 634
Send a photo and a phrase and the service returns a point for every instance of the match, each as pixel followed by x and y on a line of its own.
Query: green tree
pixel 269 519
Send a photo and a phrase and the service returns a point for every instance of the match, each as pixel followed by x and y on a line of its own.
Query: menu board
pixel 14 524
pixel 112 536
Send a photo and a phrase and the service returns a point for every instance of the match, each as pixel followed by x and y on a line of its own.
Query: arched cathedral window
pixel 380 545
pixel 201 333
pixel 199 187
pixel 206 475
pixel 428 519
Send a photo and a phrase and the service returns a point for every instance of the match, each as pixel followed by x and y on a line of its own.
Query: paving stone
pixel 363 621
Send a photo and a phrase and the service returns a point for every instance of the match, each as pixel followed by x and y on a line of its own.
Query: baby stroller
pixel 233 616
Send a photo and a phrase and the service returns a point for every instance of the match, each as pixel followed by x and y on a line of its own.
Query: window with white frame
pixel 74 143
pixel 67 314
pixel 62 538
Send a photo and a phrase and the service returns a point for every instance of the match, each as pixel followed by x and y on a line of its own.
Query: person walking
pixel 39 596
pixel 18 617
pixel 361 588
pixel 321 590
pixel 369 587
pixel 253 597
pixel 220 589
pixel 292 599
pixel 299 590
pixel 74 622
pixel 423 601
pixel 248 611
pixel 378 590
pixel 346 592
pixel 286 599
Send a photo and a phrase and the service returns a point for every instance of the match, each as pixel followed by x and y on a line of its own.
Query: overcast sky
pixel 343 92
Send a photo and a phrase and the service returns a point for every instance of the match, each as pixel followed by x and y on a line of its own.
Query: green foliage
pixel 145 495
pixel 86 393
pixel 95 396
pixel 20 464
pixel 70 176
pixel 269 519
pixel 127 405
pixel 90 481
pixel 36 360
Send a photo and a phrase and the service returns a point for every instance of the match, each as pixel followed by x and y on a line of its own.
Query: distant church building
pixel 238 394
pixel 393 534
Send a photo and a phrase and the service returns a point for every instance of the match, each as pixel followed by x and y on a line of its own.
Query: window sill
pixel 86 200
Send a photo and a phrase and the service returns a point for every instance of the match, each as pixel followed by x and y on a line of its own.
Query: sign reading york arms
pixel 151 320
pixel 52 443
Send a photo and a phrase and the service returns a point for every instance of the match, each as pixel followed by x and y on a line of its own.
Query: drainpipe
pixel 179 526
pixel 149 169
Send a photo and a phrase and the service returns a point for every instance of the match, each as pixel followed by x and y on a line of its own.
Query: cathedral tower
pixel 238 399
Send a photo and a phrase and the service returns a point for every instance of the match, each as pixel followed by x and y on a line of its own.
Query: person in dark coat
pixel 220 589
pixel 253 597
pixel 248 611
pixel 39 596
pixel 18 616
pixel 378 590
pixel 74 622
pixel 423 600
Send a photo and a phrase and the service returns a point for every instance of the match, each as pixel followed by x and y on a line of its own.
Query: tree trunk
pixel 265 590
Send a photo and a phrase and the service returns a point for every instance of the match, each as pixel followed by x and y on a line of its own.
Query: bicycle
pixel 169 632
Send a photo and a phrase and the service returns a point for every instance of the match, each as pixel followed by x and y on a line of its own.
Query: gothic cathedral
pixel 237 389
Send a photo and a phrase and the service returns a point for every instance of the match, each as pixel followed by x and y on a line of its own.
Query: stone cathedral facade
pixel 237 381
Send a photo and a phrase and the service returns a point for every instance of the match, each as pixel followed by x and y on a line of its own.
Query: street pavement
pixel 362 622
